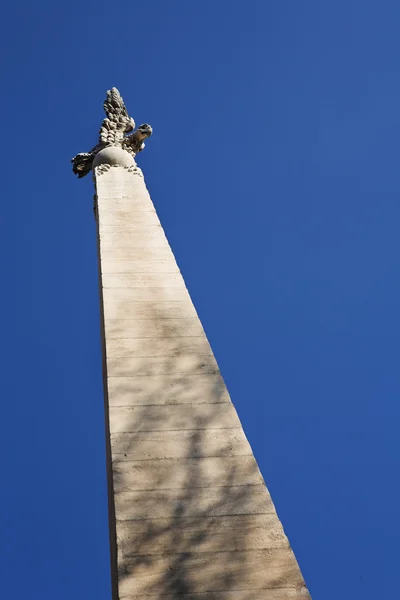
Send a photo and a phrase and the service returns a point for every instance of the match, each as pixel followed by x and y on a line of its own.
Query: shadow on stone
pixel 193 516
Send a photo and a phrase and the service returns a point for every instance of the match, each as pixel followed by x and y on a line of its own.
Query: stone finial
pixel 115 131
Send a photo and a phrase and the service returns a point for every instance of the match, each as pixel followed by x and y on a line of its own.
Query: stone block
pixel 147 445
pixel 128 204
pixel 151 328
pixel 129 309
pixel 284 593
pixel 146 239
pixel 145 255
pixel 228 533
pixel 199 390
pixel 123 280
pixel 196 572
pixel 175 366
pixel 139 266
pixel 150 294
pixel 114 231
pixel 127 218
pixel 185 473
pixel 146 347
pixel 193 502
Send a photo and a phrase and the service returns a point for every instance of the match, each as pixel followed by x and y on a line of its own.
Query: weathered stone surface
pixel 196 502
pixel 194 519
pixel 117 144
pixel 165 347
pixel 134 267
pixel 246 570
pixel 148 366
pixel 149 294
pixel 137 328
pixel 181 472
pixel 127 218
pixel 147 256
pixel 283 593
pixel 131 204
pixel 199 390
pixel 179 444
pixel 146 239
pixel 199 534
pixel 173 417
pixel 123 280
pixel 129 310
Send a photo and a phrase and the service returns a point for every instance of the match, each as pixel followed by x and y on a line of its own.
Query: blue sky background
pixel 274 167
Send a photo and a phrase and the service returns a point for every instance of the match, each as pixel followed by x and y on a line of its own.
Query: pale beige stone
pixel 127 204
pixel 150 328
pixel 198 389
pixel 139 266
pixel 283 593
pixel 173 417
pixel 129 310
pixel 210 571
pixel 150 294
pixel 122 280
pixel 182 472
pixel 194 502
pixel 147 256
pixel 171 367
pixel 166 347
pixel 127 218
pixel 199 534
pixel 112 155
pixel 146 240
pixel 114 231
pixel 179 444
pixel 194 519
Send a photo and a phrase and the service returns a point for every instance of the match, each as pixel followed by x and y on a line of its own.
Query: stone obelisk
pixel 190 516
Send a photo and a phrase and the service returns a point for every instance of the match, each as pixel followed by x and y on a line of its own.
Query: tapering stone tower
pixel 190 516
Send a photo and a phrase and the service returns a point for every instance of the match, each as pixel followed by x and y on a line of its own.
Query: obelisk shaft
pixel 190 516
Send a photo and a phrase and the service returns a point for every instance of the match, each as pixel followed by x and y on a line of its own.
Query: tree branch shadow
pixel 193 517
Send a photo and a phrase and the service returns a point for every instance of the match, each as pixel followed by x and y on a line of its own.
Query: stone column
pixel 190 515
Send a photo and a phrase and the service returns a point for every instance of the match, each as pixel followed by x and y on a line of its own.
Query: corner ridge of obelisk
pixel 119 141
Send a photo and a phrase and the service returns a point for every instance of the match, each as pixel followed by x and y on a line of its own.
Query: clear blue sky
pixel 274 167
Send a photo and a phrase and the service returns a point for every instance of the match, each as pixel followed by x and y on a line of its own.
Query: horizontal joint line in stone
pixel 211 552
pixel 195 553
pixel 197 487
pixel 185 430
pixel 139 272
pixel 165 405
pixel 150 337
pixel 290 588
pixel 173 319
pixel 167 302
pixel 152 356
pixel 179 429
pixel 138 287
pixel 175 374
pixel 202 517
pixel 116 456
pixel 158 288
pixel 163 247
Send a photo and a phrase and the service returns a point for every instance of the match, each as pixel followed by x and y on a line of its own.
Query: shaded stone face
pixel 190 517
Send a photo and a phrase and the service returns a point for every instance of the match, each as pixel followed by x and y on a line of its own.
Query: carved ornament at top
pixel 117 129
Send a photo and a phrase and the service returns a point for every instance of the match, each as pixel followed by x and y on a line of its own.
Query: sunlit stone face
pixel 113 156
